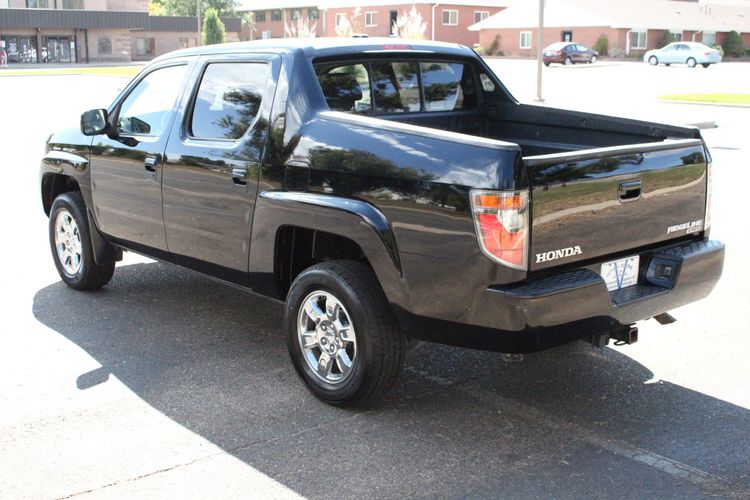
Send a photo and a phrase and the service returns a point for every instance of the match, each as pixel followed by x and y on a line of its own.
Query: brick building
pixel 60 31
pixel 446 22
pixel 631 26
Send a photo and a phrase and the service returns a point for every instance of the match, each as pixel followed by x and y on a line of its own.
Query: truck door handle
pixel 239 176
pixel 150 164
pixel 629 190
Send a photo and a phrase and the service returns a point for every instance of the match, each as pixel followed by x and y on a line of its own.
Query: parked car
pixel 384 192
pixel 569 53
pixel 690 53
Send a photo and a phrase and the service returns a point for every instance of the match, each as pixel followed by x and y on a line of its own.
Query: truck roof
pixel 322 47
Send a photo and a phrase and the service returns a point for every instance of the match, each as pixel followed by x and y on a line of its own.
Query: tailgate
pixel 598 202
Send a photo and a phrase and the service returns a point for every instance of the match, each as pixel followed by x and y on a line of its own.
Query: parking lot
pixel 167 383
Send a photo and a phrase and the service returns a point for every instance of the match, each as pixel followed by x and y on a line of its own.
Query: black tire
pixel 691 62
pixel 593 60
pixel 380 343
pixel 89 275
pixel 705 65
pixel 568 61
pixel 667 64
pixel 653 61
pixel 546 64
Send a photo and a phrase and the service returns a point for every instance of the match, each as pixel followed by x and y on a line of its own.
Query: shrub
pixel 719 48
pixel 602 45
pixel 733 44
pixel 665 40
pixel 213 28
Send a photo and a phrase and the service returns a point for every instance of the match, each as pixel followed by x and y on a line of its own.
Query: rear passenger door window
pixel 448 86
pixel 395 87
pixel 346 88
pixel 228 99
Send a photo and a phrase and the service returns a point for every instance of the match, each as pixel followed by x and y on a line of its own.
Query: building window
pixel 450 17
pixel 37 4
pixel 525 42
pixel 275 15
pixel 228 100
pixel 340 17
pixel 186 43
pixel 638 39
pixel 260 16
pixel 370 19
pixel 265 35
pixel 296 14
pixel 313 13
pixel 676 36
pixel 72 4
pixel 709 38
pixel 145 47
pixel 105 46
pixel 480 15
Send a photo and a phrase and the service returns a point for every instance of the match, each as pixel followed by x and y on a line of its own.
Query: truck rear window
pixel 385 87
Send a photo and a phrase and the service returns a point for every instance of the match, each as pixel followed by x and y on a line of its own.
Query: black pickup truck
pixel 385 191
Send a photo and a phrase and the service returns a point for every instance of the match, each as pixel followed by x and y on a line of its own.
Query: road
pixel 166 383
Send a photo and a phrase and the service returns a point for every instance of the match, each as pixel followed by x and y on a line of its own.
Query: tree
pixel 733 44
pixel 409 24
pixel 213 28
pixel 666 38
pixel 301 28
pixel 187 7
pixel 156 8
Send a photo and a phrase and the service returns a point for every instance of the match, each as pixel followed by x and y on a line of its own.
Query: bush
pixel 602 45
pixel 733 44
pixel 719 48
pixel 213 28
pixel 665 40
pixel 493 46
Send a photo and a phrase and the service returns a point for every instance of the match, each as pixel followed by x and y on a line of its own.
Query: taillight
pixel 707 54
pixel 709 189
pixel 501 219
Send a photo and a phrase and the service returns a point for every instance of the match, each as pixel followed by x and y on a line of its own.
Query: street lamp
pixel 198 15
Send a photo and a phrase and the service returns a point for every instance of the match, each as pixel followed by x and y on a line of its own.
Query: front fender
pixel 353 219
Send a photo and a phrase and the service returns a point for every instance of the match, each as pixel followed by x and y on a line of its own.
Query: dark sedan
pixel 569 53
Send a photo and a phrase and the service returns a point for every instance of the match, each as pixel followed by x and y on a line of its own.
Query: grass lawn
pixel 718 98
pixel 123 71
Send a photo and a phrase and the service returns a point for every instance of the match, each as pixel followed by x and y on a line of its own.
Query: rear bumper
pixel 550 310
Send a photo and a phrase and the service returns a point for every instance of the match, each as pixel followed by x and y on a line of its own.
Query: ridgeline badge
pixel 558 254
pixel 692 227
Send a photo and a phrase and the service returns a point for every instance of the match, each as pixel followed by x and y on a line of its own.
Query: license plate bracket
pixel 621 273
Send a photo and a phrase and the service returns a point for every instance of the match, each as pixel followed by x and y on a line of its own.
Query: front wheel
pixel 546 64
pixel 341 334
pixel 70 241
pixel 706 65
pixel 568 61
pixel 691 62
pixel 593 59
pixel 653 61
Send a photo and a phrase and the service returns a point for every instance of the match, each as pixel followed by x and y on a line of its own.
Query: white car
pixel 690 53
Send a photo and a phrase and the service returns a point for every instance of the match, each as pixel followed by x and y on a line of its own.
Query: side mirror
pixel 94 122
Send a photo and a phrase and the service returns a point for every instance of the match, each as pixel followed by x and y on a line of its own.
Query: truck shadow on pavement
pixel 570 422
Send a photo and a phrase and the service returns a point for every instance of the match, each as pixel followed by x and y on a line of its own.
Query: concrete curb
pixel 703 103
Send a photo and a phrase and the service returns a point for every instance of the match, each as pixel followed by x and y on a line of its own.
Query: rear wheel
pixel 341 333
pixel 568 61
pixel 70 241
pixel 653 61
pixel 546 64
pixel 667 64
pixel 593 59
pixel 691 62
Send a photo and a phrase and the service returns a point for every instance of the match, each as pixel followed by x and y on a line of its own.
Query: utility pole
pixel 539 42
pixel 198 15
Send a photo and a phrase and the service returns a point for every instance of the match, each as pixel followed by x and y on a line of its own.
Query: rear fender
pixel 353 219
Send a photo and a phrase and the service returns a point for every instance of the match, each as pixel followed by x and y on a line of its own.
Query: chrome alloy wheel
pixel 326 337
pixel 68 242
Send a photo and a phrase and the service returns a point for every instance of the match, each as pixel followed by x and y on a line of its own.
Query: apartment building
pixel 447 22
pixel 82 31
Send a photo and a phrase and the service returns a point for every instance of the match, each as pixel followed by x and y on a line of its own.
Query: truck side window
pixel 346 88
pixel 396 87
pixel 146 110
pixel 228 99
pixel 447 86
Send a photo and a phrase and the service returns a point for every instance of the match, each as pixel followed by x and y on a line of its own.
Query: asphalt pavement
pixel 167 384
